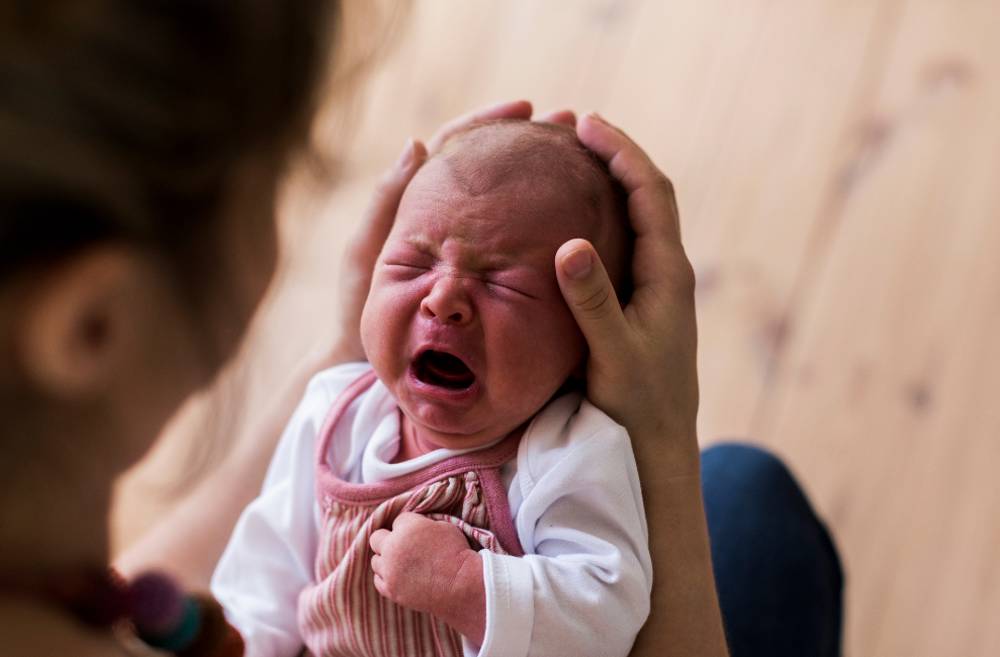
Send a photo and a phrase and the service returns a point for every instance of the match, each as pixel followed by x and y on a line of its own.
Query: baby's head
pixel 465 323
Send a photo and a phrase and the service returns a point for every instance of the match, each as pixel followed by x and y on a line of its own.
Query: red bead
pixel 93 595
pixel 232 646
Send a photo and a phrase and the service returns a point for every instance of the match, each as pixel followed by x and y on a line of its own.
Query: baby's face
pixel 465 323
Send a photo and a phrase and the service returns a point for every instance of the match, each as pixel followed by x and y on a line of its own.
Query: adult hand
pixel 642 368
pixel 642 372
pixel 364 247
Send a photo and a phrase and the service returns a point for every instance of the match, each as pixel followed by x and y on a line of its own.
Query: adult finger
pixel 651 201
pixel 366 243
pixel 378 539
pixel 561 117
pixel 381 211
pixel 589 294
pixel 517 109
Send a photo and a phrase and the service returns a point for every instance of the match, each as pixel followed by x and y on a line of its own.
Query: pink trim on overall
pixel 343 614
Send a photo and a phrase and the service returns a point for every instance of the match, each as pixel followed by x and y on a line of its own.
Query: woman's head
pixel 142 144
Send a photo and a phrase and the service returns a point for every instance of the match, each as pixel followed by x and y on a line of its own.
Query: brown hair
pixel 123 120
pixel 128 120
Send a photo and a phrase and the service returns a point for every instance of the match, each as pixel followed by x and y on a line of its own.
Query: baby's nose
pixel 447 301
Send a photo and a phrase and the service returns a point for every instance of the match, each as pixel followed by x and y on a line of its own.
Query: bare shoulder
pixel 30 630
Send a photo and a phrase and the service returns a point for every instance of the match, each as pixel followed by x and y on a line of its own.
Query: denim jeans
pixel 777 571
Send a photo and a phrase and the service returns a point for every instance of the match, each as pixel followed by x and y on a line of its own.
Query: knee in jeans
pixel 749 468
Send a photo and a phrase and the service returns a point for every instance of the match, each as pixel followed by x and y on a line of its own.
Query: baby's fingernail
pixel 406 157
pixel 578 264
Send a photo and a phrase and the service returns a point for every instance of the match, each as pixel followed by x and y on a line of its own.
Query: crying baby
pixel 457 494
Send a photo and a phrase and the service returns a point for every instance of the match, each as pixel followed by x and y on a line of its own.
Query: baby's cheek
pixel 370 324
pixel 561 317
pixel 382 334
pixel 545 345
pixel 568 346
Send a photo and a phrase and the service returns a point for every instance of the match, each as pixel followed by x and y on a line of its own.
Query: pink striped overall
pixel 342 614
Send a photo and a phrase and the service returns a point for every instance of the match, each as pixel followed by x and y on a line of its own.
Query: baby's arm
pixel 584 588
pixel 269 558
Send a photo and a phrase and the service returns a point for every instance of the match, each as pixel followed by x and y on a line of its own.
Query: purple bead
pixel 157 604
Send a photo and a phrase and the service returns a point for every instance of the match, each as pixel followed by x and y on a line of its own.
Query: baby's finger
pixel 561 117
pixel 377 564
pixel 380 586
pixel 518 109
pixel 378 539
pixel 590 295
pixel 651 202
pixel 405 520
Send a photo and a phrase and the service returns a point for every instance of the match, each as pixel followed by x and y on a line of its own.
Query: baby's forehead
pixel 533 159
pixel 515 213
pixel 485 185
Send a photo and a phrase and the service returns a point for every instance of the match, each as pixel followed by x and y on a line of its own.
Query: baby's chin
pixel 458 441
pixel 435 428
pixel 455 436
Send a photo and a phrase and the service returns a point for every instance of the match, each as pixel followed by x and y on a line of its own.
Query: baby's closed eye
pixel 406 265
pixel 515 286
pixel 400 271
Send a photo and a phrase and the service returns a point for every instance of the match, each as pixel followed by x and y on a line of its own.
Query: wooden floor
pixel 838 166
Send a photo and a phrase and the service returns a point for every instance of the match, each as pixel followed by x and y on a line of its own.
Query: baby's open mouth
pixel 438 368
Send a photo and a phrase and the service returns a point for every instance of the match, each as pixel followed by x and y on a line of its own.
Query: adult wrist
pixel 665 451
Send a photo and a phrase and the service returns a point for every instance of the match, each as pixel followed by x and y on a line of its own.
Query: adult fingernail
pixel 597 117
pixel 406 157
pixel 578 264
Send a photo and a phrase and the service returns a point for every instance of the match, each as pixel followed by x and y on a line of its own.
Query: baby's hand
pixel 426 565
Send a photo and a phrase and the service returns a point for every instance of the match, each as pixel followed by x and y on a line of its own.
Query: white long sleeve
pixel 584 586
pixel 270 556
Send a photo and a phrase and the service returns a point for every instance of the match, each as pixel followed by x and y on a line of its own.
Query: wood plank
pixel 733 101
pixel 883 397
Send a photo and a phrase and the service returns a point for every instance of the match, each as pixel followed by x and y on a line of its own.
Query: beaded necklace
pixel 152 607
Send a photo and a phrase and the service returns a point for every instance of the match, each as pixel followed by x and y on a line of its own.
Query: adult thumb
pixel 590 295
